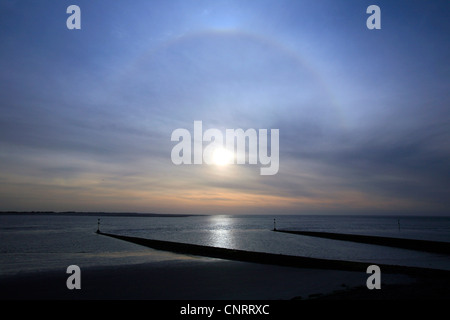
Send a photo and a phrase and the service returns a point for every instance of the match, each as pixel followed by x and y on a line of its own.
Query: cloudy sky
pixel 86 116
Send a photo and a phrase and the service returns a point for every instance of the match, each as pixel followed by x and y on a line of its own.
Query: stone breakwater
pixel 412 244
pixel 273 259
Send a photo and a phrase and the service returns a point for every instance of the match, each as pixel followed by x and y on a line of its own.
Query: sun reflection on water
pixel 221 232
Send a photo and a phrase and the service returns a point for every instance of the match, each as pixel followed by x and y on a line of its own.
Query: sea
pixel 46 242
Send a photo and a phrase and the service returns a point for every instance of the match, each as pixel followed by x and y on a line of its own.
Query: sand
pixel 223 274
pixel 161 289
pixel 193 279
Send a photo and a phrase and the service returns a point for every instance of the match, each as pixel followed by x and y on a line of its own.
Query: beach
pixel 170 287
pixel 115 266
pixel 194 279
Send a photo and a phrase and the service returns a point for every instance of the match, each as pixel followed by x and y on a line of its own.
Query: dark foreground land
pixel 208 273
pixel 216 279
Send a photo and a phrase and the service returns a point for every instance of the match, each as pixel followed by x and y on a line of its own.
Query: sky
pixel 86 115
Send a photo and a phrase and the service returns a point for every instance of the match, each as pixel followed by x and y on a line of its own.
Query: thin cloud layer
pixel 86 115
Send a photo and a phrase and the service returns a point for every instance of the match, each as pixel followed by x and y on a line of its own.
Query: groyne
pixel 412 244
pixel 271 258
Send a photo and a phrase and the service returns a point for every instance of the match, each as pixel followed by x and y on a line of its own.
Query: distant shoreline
pixel 394 216
pixel 102 214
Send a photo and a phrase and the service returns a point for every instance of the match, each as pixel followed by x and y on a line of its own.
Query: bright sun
pixel 222 157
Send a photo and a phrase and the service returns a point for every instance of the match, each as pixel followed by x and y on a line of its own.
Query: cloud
pixel 87 117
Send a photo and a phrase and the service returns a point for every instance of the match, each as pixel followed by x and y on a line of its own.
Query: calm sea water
pixel 37 243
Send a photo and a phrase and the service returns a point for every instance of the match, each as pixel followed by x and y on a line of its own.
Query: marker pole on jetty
pixel 98 225
pixel 274 225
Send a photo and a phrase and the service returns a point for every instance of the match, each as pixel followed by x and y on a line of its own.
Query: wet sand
pixel 228 275
pixel 202 279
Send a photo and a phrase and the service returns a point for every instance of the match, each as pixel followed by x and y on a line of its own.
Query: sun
pixel 222 157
